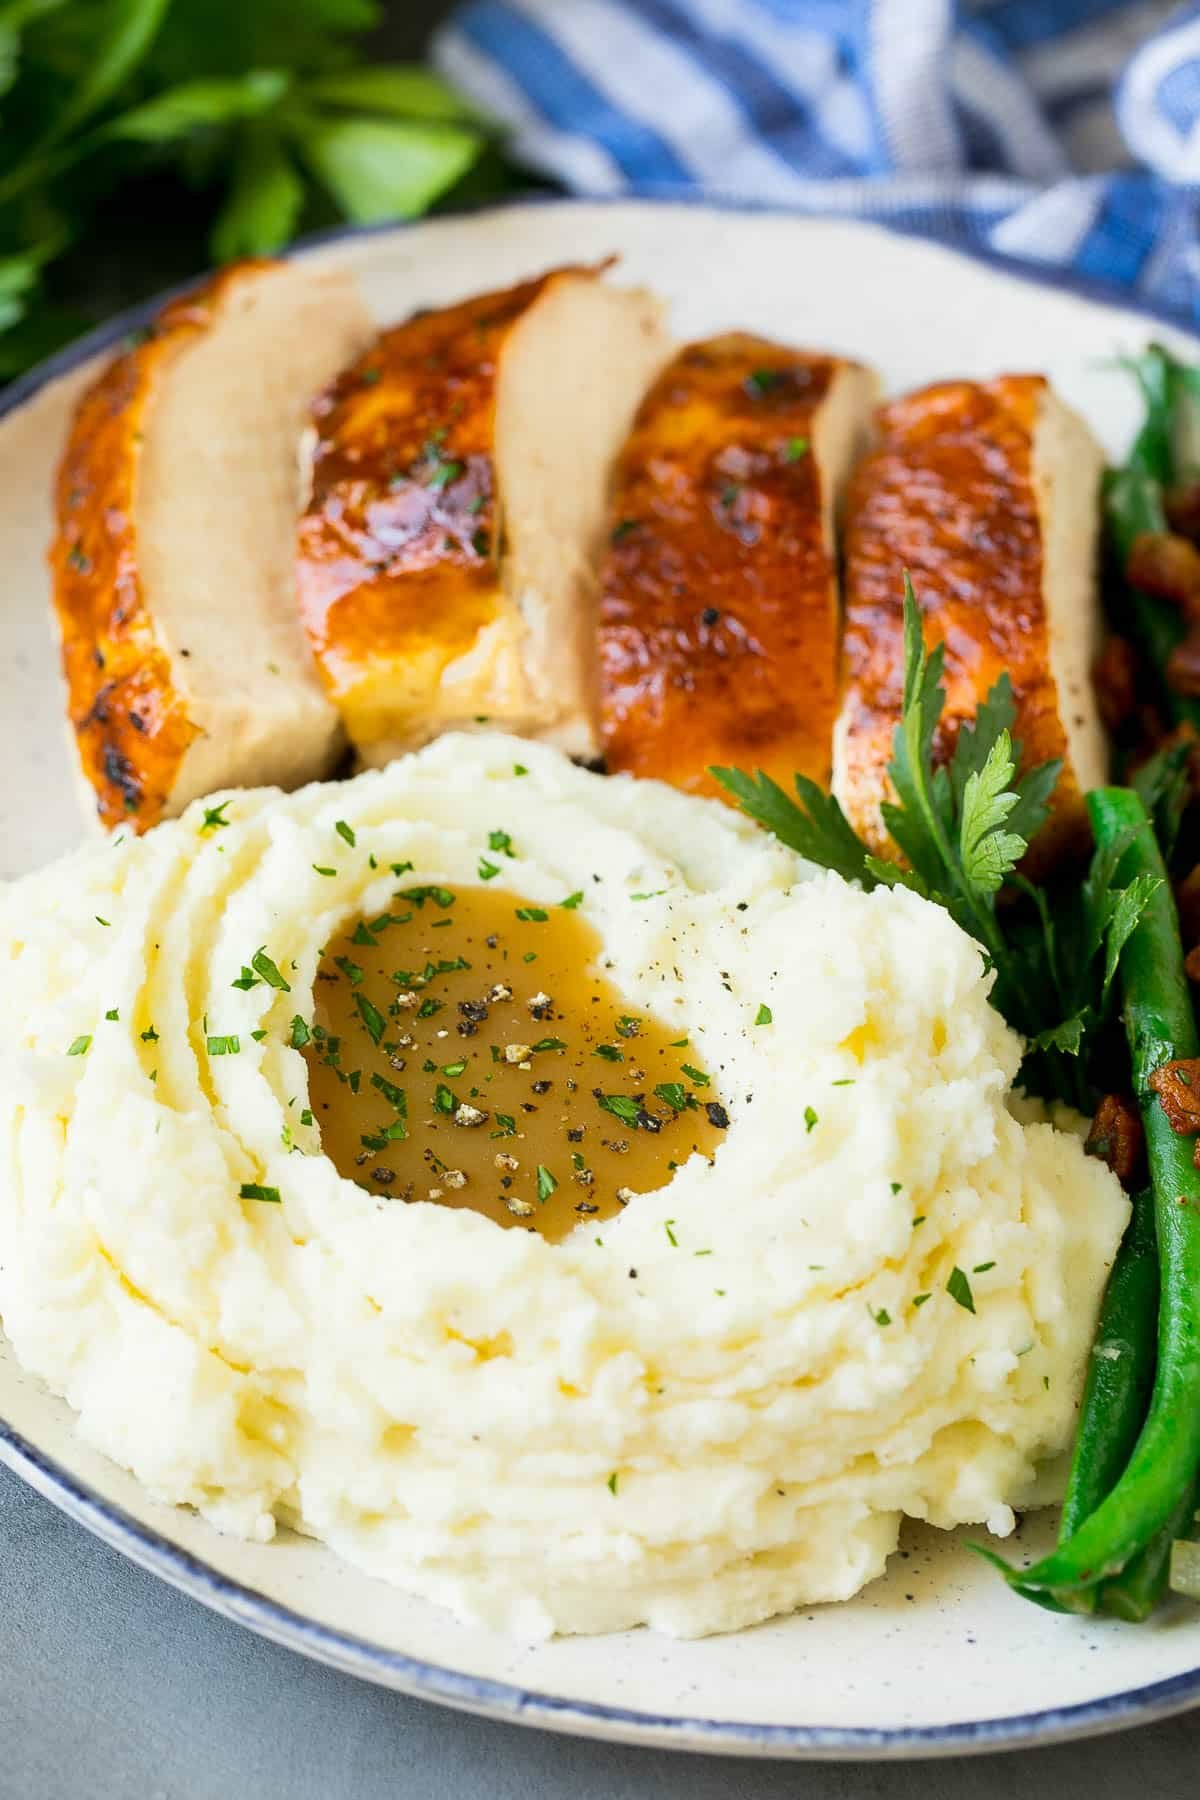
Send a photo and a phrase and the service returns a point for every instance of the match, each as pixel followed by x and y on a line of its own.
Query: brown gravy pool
pixel 467 1048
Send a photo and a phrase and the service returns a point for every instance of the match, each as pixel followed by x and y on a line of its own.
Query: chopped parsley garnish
pixel 920 1299
pixel 443 1099
pixel 611 1484
pixel 363 934
pixel 401 868
pixel 253 1190
pixel 549 1043
pixel 621 1107
pixel 628 1025
pixel 546 1183
pixel 520 769
pixel 246 980
pixel 214 817
pixel 394 1096
pixel 101 921
pixel 351 970
pixel 345 833
pixel 982 1268
pixel 300 1034
pixel 488 870
pixel 764 1015
pixel 320 871
pixel 371 1017
pixel 223 1046
pixel 428 1007
pixel 959 1288
pixel 269 972
pixel 573 900
pixel 113 1013
pixel 761 381
pixel 454 1068
pixel 441 896
pixel 882 1316
pixel 149 1036
pixel 81 1046
pixel 444 473
pixel 654 894
pixel 671 1238
pixel 675 1095
pixel 810 1120
pixel 532 915
pixel 609 1052
pixel 507 1124
pixel 500 840
pixel 696 1076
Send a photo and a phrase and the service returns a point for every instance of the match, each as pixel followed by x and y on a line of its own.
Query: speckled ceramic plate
pixel 937 1657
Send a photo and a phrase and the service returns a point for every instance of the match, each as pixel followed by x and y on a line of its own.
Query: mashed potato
pixel 877 1300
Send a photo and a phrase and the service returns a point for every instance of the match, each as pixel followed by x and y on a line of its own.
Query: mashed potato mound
pixel 877 1300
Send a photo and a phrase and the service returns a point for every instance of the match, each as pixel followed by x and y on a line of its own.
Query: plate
pixel 935 1658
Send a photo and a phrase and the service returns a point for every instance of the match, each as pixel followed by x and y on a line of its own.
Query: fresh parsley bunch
pixel 961 829
pixel 264 104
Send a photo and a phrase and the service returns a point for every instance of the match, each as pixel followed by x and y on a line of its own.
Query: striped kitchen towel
pixel 1058 131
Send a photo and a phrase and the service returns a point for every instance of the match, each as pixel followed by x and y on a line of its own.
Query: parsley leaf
pixel 816 829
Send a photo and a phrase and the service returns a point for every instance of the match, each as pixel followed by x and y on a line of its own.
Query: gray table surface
pixel 114 1687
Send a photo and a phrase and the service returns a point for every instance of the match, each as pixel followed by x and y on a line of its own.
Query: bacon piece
pixel 1183 665
pixel 1116 1137
pixel 1182 507
pixel 1162 563
pixel 1177 1085
pixel 1114 676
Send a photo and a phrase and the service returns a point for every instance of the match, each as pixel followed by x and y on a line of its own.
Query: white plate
pixel 936 1658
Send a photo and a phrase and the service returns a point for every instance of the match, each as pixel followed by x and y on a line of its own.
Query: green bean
pixel 1160 1027
pixel 1120 1372
pixel 1137 1590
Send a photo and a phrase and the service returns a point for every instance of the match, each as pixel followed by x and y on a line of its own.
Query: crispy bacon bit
pixel 1115 679
pixel 1159 562
pixel 1191 963
pixel 1117 1138
pixel 1177 1085
pixel 1183 665
pixel 1182 507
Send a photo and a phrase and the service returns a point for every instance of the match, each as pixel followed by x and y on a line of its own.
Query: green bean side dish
pixel 1090 969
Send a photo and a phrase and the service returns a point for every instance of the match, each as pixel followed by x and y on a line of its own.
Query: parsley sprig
pixel 961 828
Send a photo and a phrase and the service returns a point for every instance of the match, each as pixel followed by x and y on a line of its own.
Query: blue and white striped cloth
pixel 1058 131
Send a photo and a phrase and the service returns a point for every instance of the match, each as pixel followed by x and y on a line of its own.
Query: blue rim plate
pixel 428 1680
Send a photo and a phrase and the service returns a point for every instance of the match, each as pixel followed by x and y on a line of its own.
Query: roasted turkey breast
pixel 447 549
pixel 173 558
pixel 987 493
pixel 718 595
